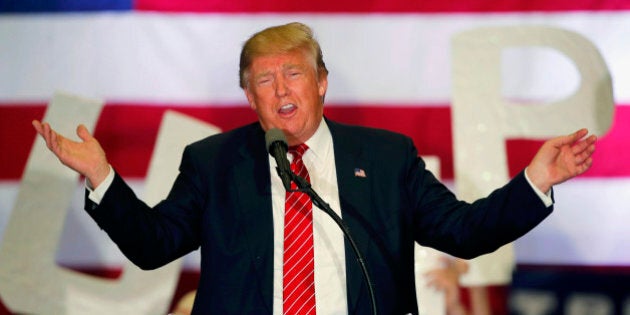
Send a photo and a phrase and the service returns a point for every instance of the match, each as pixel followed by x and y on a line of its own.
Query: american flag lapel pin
pixel 359 172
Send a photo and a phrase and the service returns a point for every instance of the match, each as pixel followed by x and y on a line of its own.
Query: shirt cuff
pixel 545 198
pixel 96 194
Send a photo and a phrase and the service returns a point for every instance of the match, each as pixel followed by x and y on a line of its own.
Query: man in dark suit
pixel 228 202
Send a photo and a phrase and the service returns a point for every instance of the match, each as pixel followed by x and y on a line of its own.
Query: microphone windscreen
pixel 273 135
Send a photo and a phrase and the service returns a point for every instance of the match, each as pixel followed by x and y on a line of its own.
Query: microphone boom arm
pixel 305 187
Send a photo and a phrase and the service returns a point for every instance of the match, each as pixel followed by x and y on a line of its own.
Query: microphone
pixel 277 147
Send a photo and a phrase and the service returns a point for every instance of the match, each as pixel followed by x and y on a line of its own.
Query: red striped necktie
pixel 298 267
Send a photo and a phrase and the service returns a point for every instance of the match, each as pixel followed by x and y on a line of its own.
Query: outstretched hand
pixel 561 159
pixel 85 157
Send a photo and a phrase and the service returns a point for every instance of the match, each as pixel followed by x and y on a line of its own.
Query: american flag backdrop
pixel 389 64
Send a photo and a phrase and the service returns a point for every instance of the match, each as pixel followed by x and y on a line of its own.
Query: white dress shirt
pixel 328 239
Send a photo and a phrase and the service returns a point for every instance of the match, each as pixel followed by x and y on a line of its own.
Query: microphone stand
pixel 305 187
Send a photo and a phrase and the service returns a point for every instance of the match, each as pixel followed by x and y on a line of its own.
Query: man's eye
pixel 264 81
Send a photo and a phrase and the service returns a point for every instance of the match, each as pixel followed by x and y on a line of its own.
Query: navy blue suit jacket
pixel 221 203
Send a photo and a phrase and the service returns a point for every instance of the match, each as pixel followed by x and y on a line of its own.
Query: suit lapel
pixel 251 171
pixel 252 176
pixel 354 192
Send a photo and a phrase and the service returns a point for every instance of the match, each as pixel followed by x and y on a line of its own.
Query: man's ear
pixel 322 85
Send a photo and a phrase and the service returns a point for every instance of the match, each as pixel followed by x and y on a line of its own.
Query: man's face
pixel 287 94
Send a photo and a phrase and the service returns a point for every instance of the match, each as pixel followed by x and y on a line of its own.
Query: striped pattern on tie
pixel 298 268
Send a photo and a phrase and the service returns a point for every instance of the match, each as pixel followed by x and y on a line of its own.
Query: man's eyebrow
pixel 263 74
pixel 287 66
pixel 292 66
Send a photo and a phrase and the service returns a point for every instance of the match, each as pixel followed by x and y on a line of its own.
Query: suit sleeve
pixel 466 229
pixel 152 237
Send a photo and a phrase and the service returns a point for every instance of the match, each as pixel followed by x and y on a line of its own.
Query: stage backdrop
pixel 390 67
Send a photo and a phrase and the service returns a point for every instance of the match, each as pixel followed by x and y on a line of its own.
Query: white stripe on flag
pixel 400 58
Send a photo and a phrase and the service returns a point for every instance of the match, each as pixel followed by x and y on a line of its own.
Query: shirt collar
pixel 320 144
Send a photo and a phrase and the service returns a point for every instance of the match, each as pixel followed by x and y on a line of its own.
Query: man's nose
pixel 281 87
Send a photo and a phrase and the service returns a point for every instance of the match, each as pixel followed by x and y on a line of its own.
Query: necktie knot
pixel 298 150
pixel 297 165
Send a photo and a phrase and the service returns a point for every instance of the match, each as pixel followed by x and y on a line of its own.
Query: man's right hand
pixel 85 157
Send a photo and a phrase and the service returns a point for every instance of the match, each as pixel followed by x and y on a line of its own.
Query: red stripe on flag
pixel 128 133
pixel 378 6
pixel 16 137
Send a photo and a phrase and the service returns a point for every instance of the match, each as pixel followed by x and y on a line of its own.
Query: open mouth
pixel 287 109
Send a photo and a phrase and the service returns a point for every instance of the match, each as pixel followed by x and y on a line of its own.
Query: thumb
pixel 83 133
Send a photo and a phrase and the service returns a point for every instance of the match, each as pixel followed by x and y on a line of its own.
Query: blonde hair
pixel 276 40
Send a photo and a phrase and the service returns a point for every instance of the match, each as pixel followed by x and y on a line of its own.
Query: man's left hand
pixel 561 159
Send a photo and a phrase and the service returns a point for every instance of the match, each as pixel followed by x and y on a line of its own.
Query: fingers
pixel 44 130
pixel 38 126
pixel 583 150
pixel 587 144
pixel 435 279
pixel 582 155
pixel 586 165
pixel 441 279
pixel 579 134
pixel 53 139
pixel 461 266
pixel 569 139
pixel 580 168
pixel 83 133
